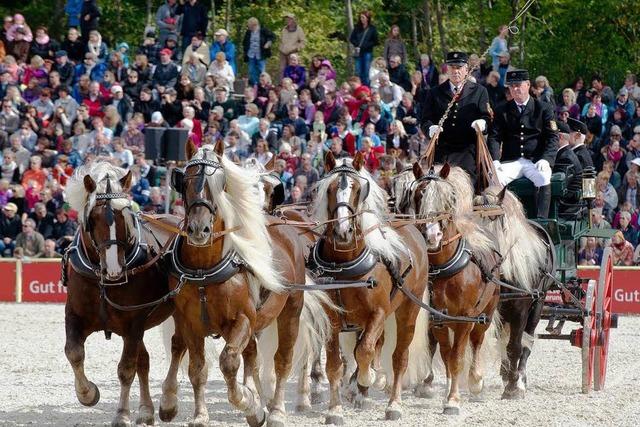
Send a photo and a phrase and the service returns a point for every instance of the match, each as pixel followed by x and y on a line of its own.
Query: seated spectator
pixel 222 72
pixel 62 171
pixel 73 46
pixel 285 153
pixel 262 88
pixel 370 158
pixel 36 70
pixel 29 243
pixel 122 155
pixel 296 72
pixel 10 227
pixel 156 202
pixel 369 131
pixel 141 190
pixel 274 109
pixel 608 192
pixel 249 122
pixel 591 254
pixel 390 93
pixel 630 233
pixel 398 139
pixel 43 220
pixel 262 154
pixel 64 228
pixel 307 170
pixel 194 69
pixel 112 120
pixel 408 112
pixel 299 125
pixel 97 47
pixel 378 66
pixel 223 44
pixel 166 72
pixel 398 73
pixel 622 250
pixel 95 100
pixel 35 176
pixel 146 105
pixel 288 92
pixel 295 196
pixel 171 107
pixel 228 105
pixel 50 250
pixel 92 68
pixel 266 133
pixel 381 125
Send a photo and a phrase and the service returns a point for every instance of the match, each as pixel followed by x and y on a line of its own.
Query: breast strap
pixel 363 264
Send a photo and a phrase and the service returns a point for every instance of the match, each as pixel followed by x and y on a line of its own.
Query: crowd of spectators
pixel 71 101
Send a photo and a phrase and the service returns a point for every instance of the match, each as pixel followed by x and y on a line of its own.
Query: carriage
pixel 571 298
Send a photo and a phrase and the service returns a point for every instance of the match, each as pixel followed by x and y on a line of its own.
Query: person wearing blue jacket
pixel 73 9
pixel 223 44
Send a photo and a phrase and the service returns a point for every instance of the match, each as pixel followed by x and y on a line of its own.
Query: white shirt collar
pixel 453 87
pixel 524 104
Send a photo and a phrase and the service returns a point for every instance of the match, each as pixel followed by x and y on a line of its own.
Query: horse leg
pixel 334 370
pixel 126 373
pixel 252 378
pixel 476 382
pixel 528 338
pixel 425 389
pixel 455 364
pixel 86 391
pixel 405 319
pixel 288 324
pixel 514 388
pixel 169 400
pixel 145 410
pixel 243 398
pixel 303 403
pixel 441 334
pixel 381 378
pixel 364 354
pixel 198 372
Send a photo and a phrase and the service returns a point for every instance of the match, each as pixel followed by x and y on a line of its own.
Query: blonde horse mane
pixel 523 250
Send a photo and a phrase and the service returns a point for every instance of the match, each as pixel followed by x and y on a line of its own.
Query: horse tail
pixel 419 364
pixel 313 331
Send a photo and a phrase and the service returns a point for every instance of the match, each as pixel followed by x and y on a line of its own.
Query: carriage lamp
pixel 589 183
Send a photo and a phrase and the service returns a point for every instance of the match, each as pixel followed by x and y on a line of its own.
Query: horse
pixel 112 259
pixel 358 245
pixel 461 257
pixel 528 255
pixel 229 266
pixel 271 195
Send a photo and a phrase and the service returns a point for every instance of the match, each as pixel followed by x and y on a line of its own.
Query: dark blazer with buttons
pixel 457 134
pixel 584 155
pixel 532 134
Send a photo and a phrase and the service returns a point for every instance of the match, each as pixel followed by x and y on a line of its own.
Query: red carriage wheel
pixel 604 298
pixel 588 337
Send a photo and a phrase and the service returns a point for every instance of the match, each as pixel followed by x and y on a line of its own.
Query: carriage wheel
pixel 604 297
pixel 588 338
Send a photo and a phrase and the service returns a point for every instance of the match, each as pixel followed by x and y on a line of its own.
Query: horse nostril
pixel 350 229
pixel 206 230
pixel 190 229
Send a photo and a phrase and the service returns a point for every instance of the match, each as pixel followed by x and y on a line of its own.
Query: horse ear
pixel 329 162
pixel 444 172
pixel 219 147
pixel 417 170
pixel 125 181
pixel 358 161
pixel 501 194
pixel 271 164
pixel 190 149
pixel 89 184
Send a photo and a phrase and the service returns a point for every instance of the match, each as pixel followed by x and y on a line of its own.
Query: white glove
pixel 481 123
pixel 497 164
pixel 434 129
pixel 542 164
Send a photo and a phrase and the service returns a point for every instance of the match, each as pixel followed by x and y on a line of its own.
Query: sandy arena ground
pixel 36 386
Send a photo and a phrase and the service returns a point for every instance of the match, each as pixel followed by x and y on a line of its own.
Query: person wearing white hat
pixel 223 44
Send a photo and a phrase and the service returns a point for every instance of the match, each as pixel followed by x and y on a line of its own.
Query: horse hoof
pixel 90 401
pixel 392 414
pixel 121 420
pixel 167 415
pixel 336 420
pixel 257 420
pixel 476 388
pixel 145 416
pixel 424 392
pixel 276 420
pixel 363 403
pixel 316 397
pixel 303 407
pixel 451 410
pixel 515 394
pixel 200 423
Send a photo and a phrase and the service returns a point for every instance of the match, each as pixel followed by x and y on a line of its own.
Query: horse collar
pixel 363 264
pixel 222 271
pixel 457 263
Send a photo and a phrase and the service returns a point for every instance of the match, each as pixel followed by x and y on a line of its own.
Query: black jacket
pixel 10 227
pixel 400 76
pixel 172 112
pixel 75 50
pixel 566 157
pixel 67 73
pixel 44 226
pixel 472 105
pixel 194 19
pixel 146 108
pixel 532 134
pixel 584 155
pixel 265 36
pixel 366 43
pixel 89 7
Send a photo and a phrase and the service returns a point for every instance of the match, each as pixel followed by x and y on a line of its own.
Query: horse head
pixel 106 225
pixel 192 182
pixel 433 199
pixel 346 191
pixel 270 187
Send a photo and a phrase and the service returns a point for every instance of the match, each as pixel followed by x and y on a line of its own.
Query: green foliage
pixel 561 39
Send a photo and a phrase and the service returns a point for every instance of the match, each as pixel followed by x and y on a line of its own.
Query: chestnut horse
pixel 460 256
pixel 528 256
pixel 227 270
pixel 112 258
pixel 357 244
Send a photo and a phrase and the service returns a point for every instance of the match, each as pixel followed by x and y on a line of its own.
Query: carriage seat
pixel 525 190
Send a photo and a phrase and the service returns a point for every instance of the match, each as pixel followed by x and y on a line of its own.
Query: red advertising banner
pixel 41 282
pixel 7 281
pixel 626 287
